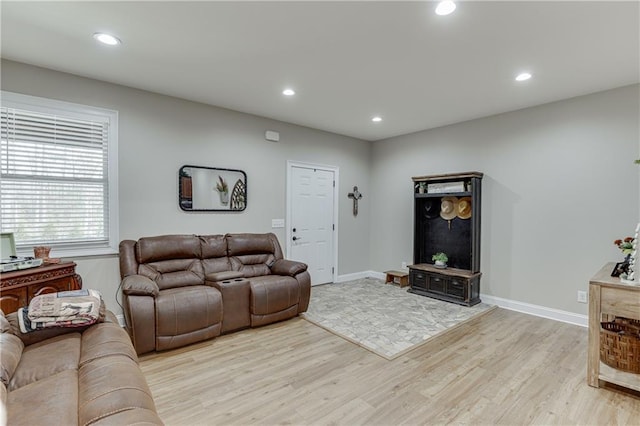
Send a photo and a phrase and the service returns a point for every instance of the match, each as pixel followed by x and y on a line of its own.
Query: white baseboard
pixel 120 320
pixel 537 310
pixel 513 305
pixel 360 275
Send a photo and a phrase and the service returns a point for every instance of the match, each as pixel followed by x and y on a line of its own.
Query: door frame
pixel 288 233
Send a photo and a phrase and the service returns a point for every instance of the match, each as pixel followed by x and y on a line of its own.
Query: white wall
pixel 560 185
pixel 559 182
pixel 159 134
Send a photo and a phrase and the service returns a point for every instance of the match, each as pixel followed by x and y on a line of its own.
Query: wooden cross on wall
pixel 355 196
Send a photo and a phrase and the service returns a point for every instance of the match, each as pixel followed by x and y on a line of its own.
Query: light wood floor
pixel 504 368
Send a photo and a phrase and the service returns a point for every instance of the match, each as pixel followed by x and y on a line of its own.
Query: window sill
pixel 73 253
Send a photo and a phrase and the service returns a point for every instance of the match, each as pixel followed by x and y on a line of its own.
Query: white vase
pixel 224 198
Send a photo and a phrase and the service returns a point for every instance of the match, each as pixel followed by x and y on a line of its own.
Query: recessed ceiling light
pixel 523 76
pixel 107 39
pixel 445 7
pixel 288 92
pixel 376 119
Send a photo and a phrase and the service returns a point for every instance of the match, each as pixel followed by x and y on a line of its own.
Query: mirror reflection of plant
pixel 221 185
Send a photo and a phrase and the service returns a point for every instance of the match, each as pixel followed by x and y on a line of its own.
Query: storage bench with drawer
pixel 450 284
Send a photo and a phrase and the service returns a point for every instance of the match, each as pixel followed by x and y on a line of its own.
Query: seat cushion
pixel 103 340
pixel 273 293
pixel 53 400
pixel 10 353
pixel 111 385
pixel 44 359
pixel 187 309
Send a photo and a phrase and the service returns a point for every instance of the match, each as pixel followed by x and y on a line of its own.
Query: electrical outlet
pixel 582 296
pixel 404 265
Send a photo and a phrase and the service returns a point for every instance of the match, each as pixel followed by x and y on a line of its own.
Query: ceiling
pixel 347 61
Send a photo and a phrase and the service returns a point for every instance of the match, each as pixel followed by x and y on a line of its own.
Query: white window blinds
pixel 55 186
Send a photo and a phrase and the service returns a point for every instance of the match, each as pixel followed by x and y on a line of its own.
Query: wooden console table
pixel 608 296
pixel 17 288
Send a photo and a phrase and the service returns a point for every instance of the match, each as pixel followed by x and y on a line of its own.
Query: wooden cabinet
pixel 457 234
pixel 608 296
pixel 17 288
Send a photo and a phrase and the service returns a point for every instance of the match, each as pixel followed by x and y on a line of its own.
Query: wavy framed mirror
pixel 211 189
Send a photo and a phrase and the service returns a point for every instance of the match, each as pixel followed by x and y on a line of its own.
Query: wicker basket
pixel 620 344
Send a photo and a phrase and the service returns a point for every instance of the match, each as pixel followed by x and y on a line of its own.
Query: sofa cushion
pixel 108 386
pixel 213 246
pixel 10 353
pixel 46 358
pixel 242 244
pixel 174 273
pixel 183 310
pixel 253 265
pixel 253 254
pixel 216 265
pixel 273 293
pixel 103 340
pixel 52 400
pixel 167 247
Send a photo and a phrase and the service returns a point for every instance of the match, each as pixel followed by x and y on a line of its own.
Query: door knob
pixel 296 238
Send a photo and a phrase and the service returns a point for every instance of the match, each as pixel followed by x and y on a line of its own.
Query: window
pixel 59 182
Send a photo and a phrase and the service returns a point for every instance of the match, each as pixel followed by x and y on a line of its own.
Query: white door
pixel 311 221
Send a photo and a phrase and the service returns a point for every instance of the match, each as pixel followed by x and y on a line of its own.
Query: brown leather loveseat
pixel 67 376
pixel 181 289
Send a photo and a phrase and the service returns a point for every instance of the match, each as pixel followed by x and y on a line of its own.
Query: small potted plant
pixel 421 187
pixel 440 259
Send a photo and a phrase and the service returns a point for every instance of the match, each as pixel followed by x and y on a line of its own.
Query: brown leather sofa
pixel 69 376
pixel 181 289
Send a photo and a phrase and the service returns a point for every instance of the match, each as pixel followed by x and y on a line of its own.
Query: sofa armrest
pixel 138 285
pixel 286 267
pixel 140 318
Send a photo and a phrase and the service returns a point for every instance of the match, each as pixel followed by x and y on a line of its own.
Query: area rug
pixel 384 318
